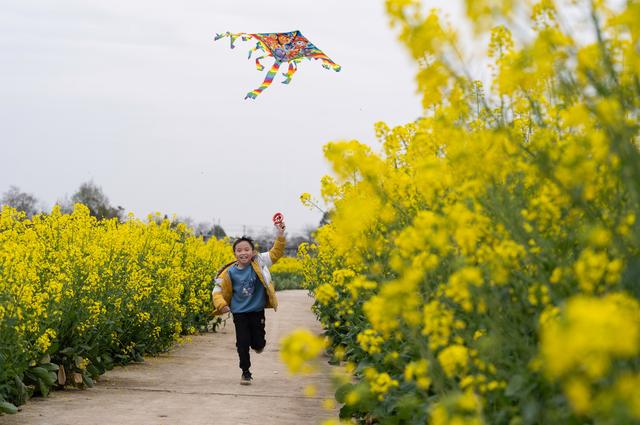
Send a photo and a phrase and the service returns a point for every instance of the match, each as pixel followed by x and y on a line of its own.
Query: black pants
pixel 249 334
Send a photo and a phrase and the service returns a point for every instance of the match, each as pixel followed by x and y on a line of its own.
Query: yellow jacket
pixel 223 289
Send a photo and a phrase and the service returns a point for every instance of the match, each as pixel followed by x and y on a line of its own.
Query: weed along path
pixel 197 383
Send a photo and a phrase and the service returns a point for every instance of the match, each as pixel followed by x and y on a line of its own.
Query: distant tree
pixel 294 242
pixel 265 240
pixel 202 229
pixel 21 201
pixel 218 232
pixel 65 204
pixel 208 231
pixel 187 221
pixel 94 198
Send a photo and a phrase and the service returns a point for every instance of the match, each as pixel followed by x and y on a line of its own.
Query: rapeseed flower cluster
pixel 287 265
pixel 78 295
pixel 370 341
pixel 299 349
pixel 287 273
pixel 481 265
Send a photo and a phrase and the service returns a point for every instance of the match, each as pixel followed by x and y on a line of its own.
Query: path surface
pixel 198 383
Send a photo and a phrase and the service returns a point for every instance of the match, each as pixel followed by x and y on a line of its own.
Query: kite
pixel 291 47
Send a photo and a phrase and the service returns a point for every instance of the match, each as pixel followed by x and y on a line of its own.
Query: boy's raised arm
pixel 277 251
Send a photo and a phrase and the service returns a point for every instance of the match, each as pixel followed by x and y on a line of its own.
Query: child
pixel 244 288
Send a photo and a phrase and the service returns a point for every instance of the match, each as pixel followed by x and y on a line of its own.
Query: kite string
pixel 267 81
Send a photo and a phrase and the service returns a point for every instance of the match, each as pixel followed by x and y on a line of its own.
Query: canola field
pixel 482 266
pixel 78 295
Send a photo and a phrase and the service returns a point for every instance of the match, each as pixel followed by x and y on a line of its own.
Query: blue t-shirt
pixel 248 292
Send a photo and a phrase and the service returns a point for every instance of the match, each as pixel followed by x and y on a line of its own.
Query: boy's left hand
pixel 280 228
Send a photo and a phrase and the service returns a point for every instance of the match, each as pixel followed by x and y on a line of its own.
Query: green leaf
pixel 516 383
pixel 407 406
pixel 22 391
pixel 346 412
pixel 44 388
pixel 531 411
pixel 87 380
pixel 93 370
pixel 342 391
pixel 51 367
pixel 42 374
pixel 67 351
pixel 6 407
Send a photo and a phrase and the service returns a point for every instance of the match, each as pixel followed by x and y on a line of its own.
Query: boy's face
pixel 244 253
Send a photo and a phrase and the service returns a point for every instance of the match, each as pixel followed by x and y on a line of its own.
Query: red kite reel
pixel 278 218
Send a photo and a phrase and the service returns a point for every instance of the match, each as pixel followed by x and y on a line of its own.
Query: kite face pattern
pixel 291 47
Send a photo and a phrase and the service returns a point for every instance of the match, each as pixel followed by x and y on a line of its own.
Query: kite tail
pixel 266 83
pixel 255 49
pixel 232 37
pixel 326 62
pixel 329 64
pixel 259 66
pixel 219 36
pixel 292 70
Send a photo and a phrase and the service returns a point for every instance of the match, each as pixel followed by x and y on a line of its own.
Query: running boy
pixel 244 288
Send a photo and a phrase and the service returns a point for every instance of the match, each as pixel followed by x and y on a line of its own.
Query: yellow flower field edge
pixel 484 267
pixel 287 274
pixel 78 295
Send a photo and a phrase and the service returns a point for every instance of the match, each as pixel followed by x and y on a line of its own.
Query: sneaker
pixel 246 378
pixel 259 350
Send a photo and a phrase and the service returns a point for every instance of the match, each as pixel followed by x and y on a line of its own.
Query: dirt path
pixel 197 383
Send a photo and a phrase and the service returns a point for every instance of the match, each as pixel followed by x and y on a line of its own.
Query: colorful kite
pixel 290 47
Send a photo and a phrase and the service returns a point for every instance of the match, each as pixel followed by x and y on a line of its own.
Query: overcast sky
pixel 137 97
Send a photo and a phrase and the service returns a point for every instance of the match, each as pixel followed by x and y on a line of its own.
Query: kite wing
pixel 291 47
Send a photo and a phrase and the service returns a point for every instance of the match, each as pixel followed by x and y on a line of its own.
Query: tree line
pixel 93 197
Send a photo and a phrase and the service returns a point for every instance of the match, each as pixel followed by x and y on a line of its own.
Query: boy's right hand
pixel 225 309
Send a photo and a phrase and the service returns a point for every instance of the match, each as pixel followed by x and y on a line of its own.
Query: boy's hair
pixel 243 239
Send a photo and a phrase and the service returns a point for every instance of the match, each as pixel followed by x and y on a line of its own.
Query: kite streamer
pixel 267 81
pixel 291 47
